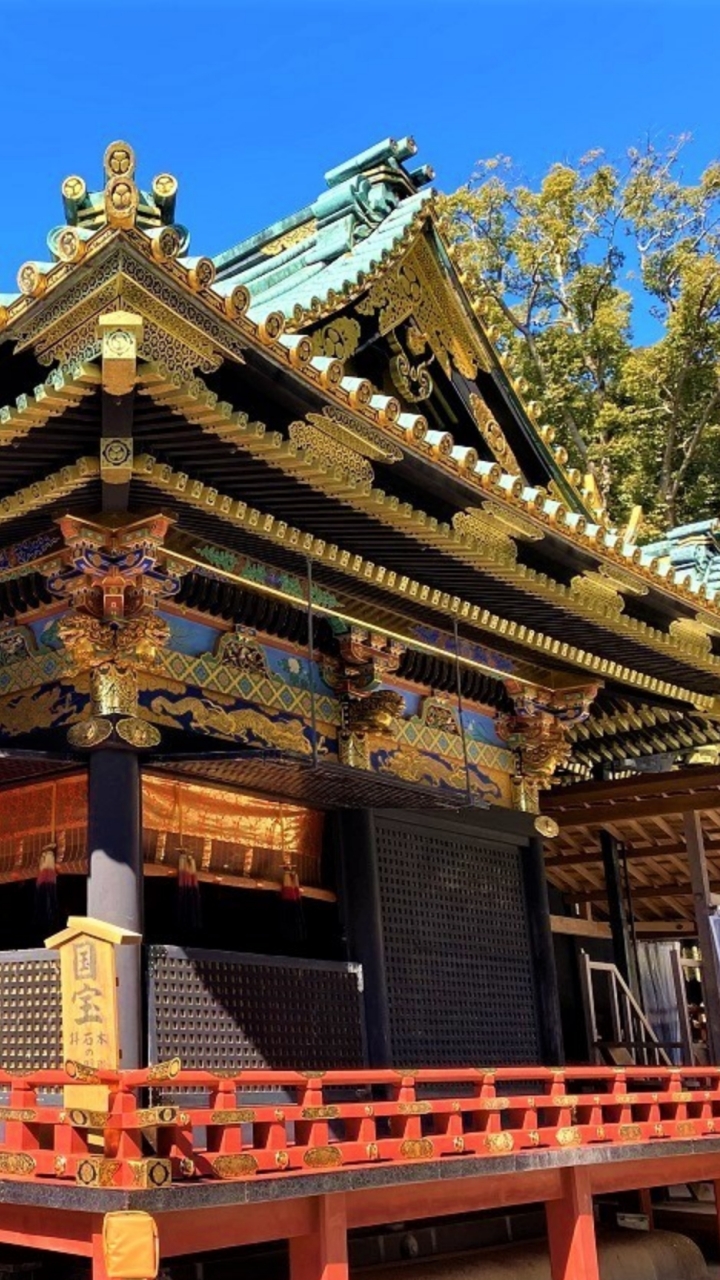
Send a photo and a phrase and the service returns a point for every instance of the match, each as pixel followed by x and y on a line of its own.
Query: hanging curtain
pixel 658 991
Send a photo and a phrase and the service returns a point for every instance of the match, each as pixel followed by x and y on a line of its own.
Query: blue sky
pixel 249 103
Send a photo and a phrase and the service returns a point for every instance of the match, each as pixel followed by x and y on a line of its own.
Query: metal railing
pixel 225 1126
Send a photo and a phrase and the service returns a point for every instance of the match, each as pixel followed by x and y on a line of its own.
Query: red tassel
pixel 46 902
pixel 187 872
pixel 189 904
pixel 290 891
pixel 291 907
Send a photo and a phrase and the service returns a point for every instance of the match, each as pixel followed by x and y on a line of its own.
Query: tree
pixel 569 276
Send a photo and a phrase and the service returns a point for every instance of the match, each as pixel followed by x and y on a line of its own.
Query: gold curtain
pixel 40 814
pixel 227 832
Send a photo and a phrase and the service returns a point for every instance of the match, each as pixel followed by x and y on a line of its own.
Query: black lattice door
pixel 457 958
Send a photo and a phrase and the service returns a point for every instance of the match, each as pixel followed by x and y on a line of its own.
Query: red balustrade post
pixel 311 1127
pixel 99 1270
pixel 323 1255
pixel 571 1229
pixel 224 1136
pixel 21 1134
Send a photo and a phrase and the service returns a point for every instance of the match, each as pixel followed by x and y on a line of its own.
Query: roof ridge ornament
pixel 120 203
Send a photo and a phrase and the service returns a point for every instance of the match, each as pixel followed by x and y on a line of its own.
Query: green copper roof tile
pixel 369 201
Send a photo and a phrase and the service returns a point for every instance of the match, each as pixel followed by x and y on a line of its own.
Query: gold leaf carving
pixel 289 238
pixel 338 339
pixel 569 1137
pixel 236 1166
pixel 416 1149
pixel 493 435
pixel 243 1115
pixel 416 287
pixel 322 1157
pixel 499 1143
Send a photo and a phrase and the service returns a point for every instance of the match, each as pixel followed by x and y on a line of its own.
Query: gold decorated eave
pixel 179 305
pixel 212 326
pixel 194 493
pixel 236 513
pixel 484 539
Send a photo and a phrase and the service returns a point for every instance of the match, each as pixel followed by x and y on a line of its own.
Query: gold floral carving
pixel 417 1149
pixel 569 1137
pixel 150 1173
pixel 630 1132
pixel 120 335
pixel 499 1143
pixel 137 733
pixel 493 435
pixel 338 340
pixel 377 713
pixel 354 434
pixel 90 733
pixel 234 1166
pixel 413 381
pixel 322 1157
pixel 686 1129
pixel 96 1171
pixel 161 1072
pixel 416 287
pixel 240 650
pixel 330 454
pixel 243 1115
pixel 289 239
pixel 17 1162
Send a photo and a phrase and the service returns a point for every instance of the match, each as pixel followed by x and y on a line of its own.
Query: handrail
pixel 334 1119
pixel 649 1042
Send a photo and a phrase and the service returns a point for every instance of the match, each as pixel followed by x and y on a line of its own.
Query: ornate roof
pixel 325 392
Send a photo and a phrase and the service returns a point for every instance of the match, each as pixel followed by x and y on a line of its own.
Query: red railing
pixel 326 1121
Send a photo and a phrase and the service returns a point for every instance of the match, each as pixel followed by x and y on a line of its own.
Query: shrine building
pixel 346 747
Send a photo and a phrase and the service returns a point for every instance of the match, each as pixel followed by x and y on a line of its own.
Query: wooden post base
pixel 322 1255
pixel 571 1230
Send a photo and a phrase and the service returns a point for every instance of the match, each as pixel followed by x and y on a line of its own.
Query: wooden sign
pixel 89 994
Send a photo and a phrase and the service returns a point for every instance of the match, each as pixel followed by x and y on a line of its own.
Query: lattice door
pixel 456 947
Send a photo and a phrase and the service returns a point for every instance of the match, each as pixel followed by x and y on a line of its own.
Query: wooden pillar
pixel 623 953
pixel 115 882
pixel 362 922
pixel 322 1255
pixel 543 951
pixel 702 904
pixel 571 1229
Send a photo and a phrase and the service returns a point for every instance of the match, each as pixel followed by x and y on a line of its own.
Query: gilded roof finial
pixel 120 203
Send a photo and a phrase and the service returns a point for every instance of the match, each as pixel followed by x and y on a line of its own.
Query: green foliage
pixel 563 270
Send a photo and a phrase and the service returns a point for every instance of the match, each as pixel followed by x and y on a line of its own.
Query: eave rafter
pixel 63 389
pixel 483 540
pixel 237 513
pixel 34 497
pixel 120 267
pixel 212 325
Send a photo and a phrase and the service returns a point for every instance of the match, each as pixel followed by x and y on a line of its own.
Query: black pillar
pixel 543 953
pixel 362 923
pixel 115 883
pixel 623 954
